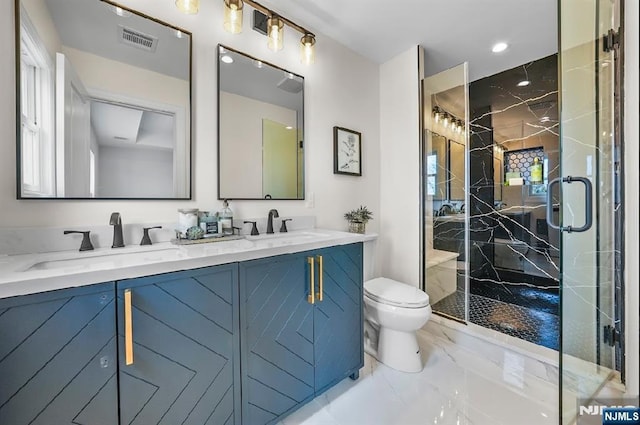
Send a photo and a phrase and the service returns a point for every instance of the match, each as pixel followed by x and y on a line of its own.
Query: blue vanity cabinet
pixel 338 318
pixel 292 349
pixel 58 359
pixel 179 348
pixel 277 337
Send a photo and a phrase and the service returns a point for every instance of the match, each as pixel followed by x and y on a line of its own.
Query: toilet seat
pixel 390 292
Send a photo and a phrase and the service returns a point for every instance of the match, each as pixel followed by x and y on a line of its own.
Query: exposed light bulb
pixel 233 16
pixel 190 7
pixel 275 27
pixel 307 49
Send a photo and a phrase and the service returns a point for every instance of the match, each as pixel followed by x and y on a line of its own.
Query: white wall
pixel 241 129
pixel 400 168
pixel 341 88
pixel 107 75
pixel 151 170
pixel 632 217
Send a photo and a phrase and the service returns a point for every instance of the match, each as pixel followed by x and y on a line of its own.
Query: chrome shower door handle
pixel 588 204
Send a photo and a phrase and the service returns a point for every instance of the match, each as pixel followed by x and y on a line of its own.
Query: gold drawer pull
pixel 320 278
pixel 311 298
pixel 128 328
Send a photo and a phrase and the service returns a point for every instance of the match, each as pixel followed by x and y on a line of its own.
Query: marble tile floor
pixel 458 386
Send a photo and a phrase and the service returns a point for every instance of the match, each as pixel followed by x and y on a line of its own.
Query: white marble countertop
pixel 32 273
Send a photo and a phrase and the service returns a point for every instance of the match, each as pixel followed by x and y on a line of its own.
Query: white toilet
pixel 394 311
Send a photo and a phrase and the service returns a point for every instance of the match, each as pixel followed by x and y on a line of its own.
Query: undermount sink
pixel 288 236
pixel 96 260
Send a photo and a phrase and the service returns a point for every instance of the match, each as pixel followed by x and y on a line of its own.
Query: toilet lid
pixel 391 292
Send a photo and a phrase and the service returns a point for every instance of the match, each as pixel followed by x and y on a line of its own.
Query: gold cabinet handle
pixel 311 299
pixel 320 278
pixel 128 328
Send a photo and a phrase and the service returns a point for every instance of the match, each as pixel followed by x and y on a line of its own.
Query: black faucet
pixel 146 240
pixel 445 209
pixel 283 227
pixel 86 240
pixel 272 213
pixel 254 228
pixel 116 222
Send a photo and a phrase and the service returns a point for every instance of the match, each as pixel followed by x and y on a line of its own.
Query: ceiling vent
pixel 291 85
pixel 137 39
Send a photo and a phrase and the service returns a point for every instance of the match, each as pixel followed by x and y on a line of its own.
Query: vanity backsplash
pixel 31 240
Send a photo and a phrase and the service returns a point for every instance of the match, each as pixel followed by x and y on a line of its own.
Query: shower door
pixel 445 164
pixel 588 198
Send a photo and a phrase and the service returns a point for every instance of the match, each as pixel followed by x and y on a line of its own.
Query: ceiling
pixel 92 26
pixel 451 32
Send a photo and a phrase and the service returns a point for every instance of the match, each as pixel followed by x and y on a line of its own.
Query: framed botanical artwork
pixel 347 152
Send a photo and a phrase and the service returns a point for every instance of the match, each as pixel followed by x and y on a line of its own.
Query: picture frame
pixel 347 152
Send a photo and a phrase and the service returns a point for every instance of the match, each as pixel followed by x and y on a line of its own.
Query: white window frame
pixel 34 53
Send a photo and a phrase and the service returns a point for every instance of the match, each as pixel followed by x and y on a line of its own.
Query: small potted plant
pixel 358 219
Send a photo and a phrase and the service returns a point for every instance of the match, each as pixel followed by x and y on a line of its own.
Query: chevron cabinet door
pixel 277 342
pixel 338 342
pixel 181 333
pixel 58 360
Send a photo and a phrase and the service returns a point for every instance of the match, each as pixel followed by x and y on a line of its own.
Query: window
pixel 432 171
pixel 37 113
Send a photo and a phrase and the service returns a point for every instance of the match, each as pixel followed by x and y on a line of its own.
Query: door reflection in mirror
pixel 260 119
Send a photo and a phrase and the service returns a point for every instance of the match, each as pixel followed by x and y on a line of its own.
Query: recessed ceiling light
pixel 524 83
pixel 258 64
pixel 289 127
pixel 499 47
pixel 226 59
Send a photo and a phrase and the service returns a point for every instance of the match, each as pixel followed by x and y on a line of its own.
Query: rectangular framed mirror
pixel 104 103
pixel 260 129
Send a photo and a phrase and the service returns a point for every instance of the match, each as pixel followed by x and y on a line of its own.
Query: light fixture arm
pixel 286 21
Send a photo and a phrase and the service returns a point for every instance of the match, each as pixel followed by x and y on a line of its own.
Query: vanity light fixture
pixel 524 83
pixel 233 16
pixel 190 7
pixel 447 121
pixel 274 29
pixel 499 47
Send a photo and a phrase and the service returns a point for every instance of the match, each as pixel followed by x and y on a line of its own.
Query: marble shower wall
pixel 509 238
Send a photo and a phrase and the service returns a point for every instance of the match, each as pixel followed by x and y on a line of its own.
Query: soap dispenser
pixel 226 219
pixel 536 171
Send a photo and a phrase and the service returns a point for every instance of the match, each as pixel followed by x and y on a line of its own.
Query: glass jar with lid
pixel 187 217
